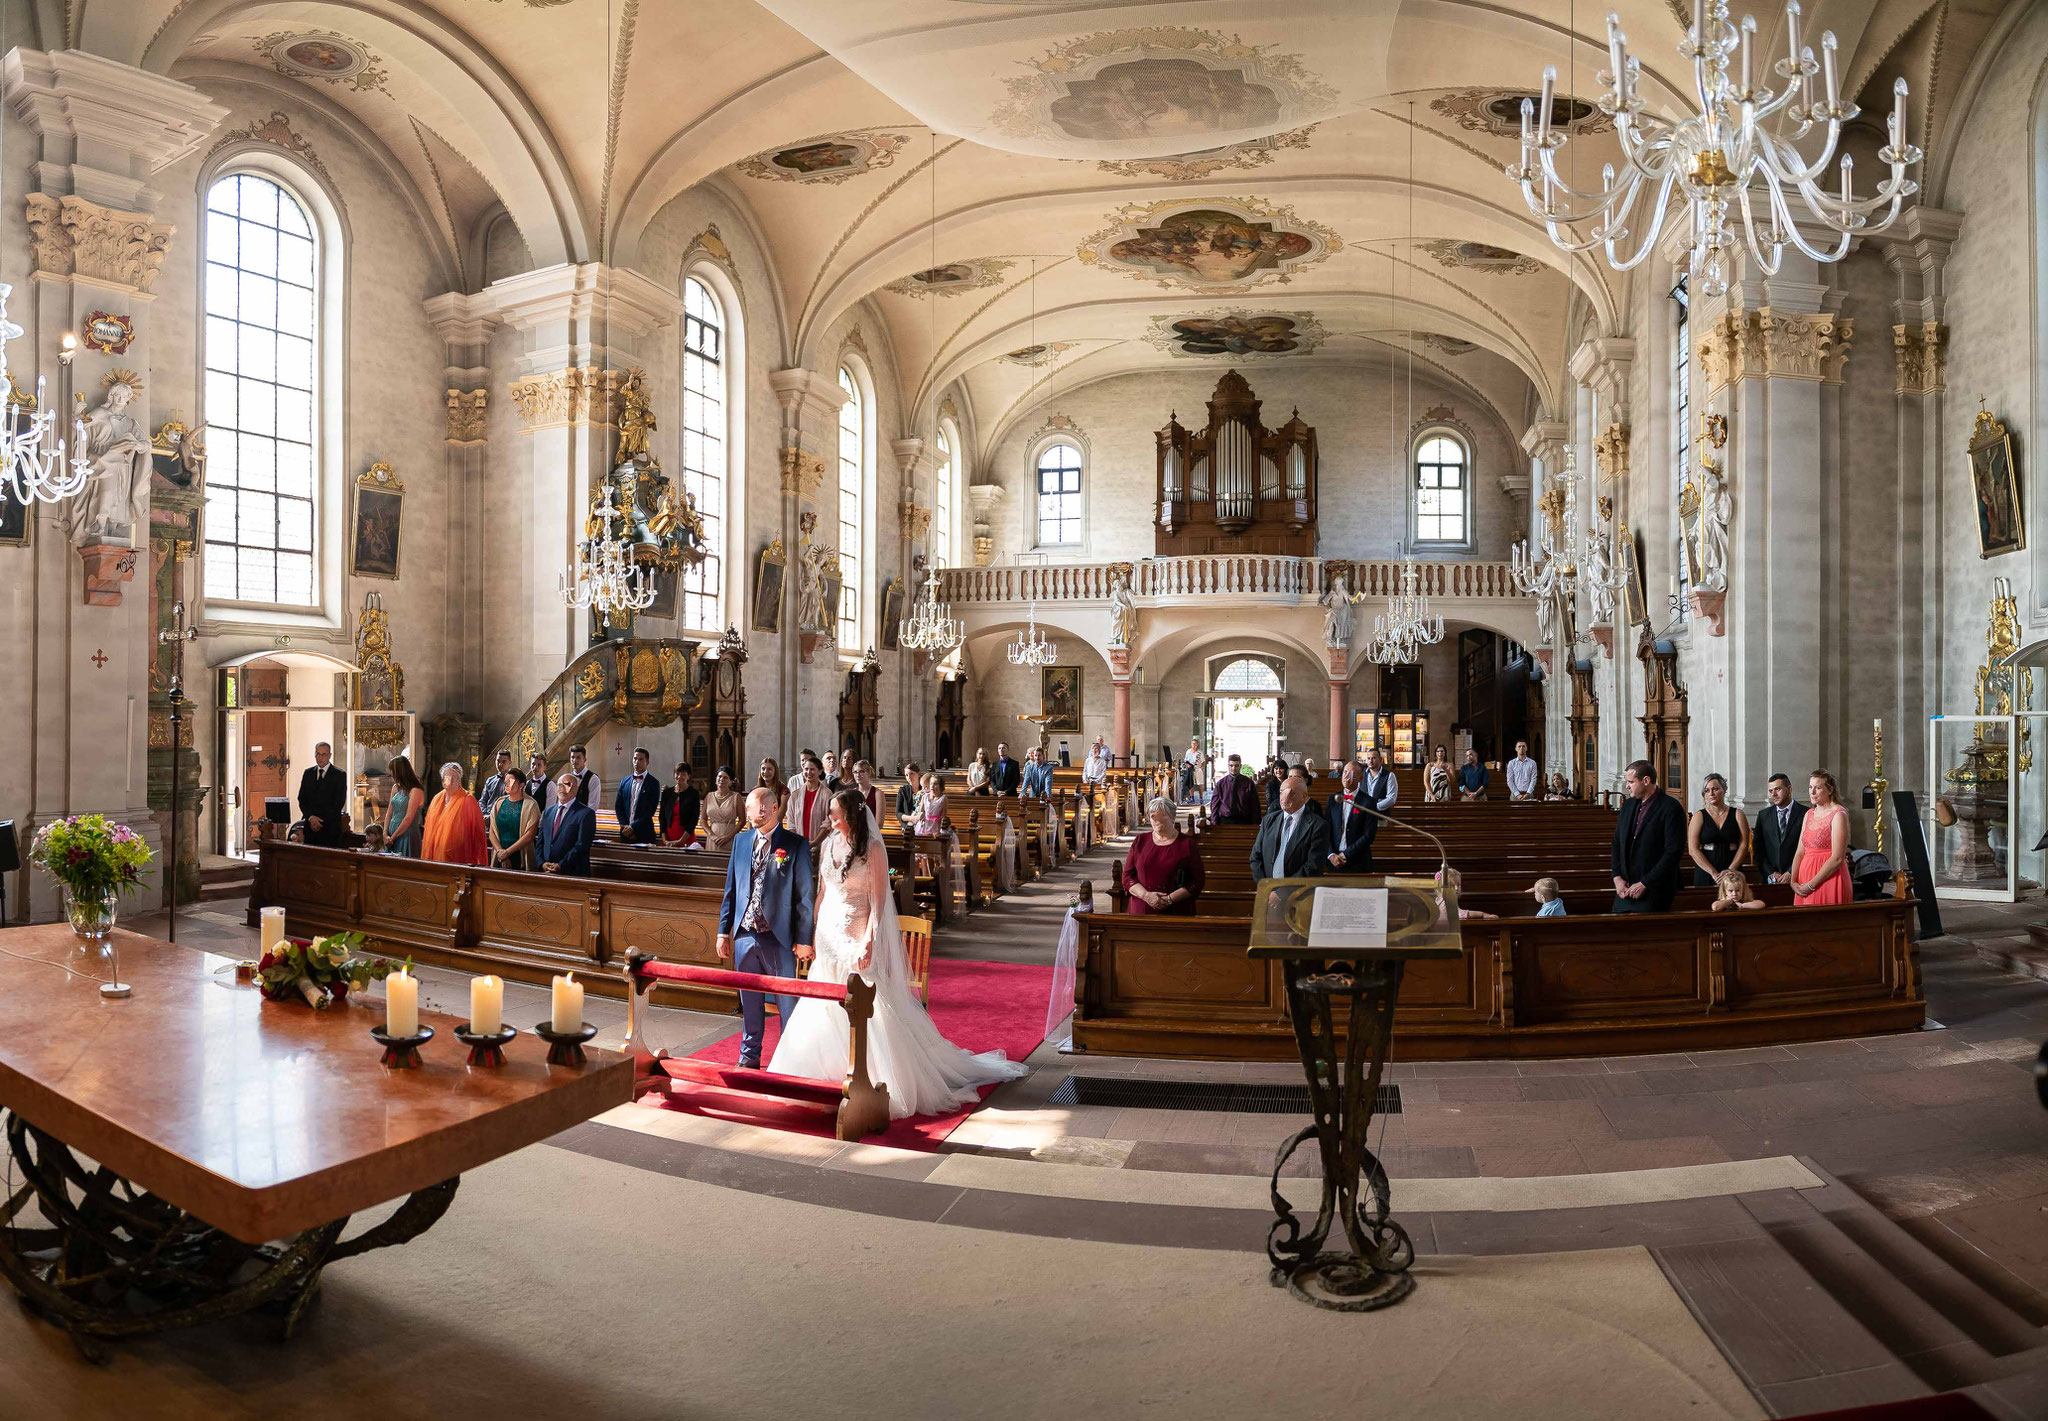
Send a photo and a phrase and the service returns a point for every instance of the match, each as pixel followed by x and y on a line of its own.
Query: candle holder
pixel 402 1053
pixel 565 1048
pixel 485 1050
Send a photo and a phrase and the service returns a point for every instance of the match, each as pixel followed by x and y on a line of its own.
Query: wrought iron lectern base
pixel 1373 1273
pixel 115 1261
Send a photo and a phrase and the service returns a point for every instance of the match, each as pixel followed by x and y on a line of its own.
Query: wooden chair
pixel 917 948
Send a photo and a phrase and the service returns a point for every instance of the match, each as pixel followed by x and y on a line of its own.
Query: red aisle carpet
pixel 982 1006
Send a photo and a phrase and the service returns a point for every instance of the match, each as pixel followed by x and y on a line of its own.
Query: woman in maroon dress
pixel 1162 872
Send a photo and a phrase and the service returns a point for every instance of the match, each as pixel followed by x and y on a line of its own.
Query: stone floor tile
pixel 1653 1154
pixel 1511 1163
pixel 1666 1116
pixel 1768 1106
pixel 1948 1085
pixel 1697 1079
pixel 1742 1056
pixel 1586 1087
pixel 1457 1091
pixel 2012 1231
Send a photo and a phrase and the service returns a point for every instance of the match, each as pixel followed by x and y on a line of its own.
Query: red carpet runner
pixel 982 1006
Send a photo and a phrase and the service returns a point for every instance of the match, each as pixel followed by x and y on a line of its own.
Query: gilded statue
pixel 636 419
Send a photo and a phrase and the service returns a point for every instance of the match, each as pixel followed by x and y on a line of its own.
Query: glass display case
pixel 1402 736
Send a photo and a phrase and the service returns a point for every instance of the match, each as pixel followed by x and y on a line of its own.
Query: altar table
pixel 218 1121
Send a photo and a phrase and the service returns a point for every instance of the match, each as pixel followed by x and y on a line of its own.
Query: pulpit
pixel 1236 486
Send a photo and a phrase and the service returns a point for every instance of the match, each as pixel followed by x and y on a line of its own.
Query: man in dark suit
pixel 766 916
pixel 567 830
pixel 323 800
pixel 1234 798
pixel 1649 844
pixel 1777 832
pixel 1351 827
pixel 636 801
pixel 1006 775
pixel 1294 842
pixel 494 788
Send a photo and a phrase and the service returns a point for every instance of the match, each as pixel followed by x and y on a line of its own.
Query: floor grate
pixel 1235 1097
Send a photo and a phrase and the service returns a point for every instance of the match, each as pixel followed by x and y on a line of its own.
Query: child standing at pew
pixel 1548 902
pixel 1735 892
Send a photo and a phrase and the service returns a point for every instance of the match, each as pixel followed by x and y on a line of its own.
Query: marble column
pixel 465 448
pixel 84 641
pixel 1120 718
pixel 1341 747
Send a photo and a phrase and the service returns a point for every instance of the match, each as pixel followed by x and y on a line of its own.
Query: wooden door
pixel 266 760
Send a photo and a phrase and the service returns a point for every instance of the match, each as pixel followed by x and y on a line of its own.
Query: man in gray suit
pixel 1294 842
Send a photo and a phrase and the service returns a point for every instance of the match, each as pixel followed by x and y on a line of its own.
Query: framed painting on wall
pixel 1995 484
pixel 1059 698
pixel 667 584
pixel 380 502
pixel 1633 603
pixel 892 614
pixel 768 589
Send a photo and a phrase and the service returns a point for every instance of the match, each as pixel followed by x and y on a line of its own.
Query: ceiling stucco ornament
pixel 1480 256
pixel 830 159
pixel 1499 112
pixel 1447 345
pixel 324 55
pixel 1042 354
pixel 1160 82
pixel 1227 244
pixel 277 131
pixel 1236 333
pixel 1185 167
pixel 951 278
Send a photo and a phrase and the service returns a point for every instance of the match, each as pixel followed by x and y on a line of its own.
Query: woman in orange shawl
pixel 455 824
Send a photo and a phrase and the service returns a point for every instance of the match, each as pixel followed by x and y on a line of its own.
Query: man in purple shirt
pixel 1234 799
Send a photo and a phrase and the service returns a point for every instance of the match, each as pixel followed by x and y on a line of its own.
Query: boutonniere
pixel 781 857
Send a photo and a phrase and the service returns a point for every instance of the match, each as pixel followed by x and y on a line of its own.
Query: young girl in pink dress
pixel 1820 874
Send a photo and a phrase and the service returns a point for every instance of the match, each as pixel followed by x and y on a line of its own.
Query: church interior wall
pixel 998 693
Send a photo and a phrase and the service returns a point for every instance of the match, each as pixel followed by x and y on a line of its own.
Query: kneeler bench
pixel 855 1106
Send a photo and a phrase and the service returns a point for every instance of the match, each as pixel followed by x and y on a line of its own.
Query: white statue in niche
pixel 1717 510
pixel 1598 576
pixel 111 506
pixel 1546 620
pixel 1123 612
pixel 1337 614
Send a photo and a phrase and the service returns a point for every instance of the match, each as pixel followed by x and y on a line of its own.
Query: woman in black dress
pixel 1718 837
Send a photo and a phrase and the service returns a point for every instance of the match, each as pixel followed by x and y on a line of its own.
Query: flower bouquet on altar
pixel 321 970
pixel 96 862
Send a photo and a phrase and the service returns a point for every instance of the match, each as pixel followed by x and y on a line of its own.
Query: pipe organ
pixel 1236 487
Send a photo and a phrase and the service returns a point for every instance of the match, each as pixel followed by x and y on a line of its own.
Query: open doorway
pixel 1244 713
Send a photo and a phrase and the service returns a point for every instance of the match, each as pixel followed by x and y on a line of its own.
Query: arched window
pixel 704 456
pixel 262 299
pixel 1249 676
pixel 852 483
pixel 1441 489
pixel 945 480
pixel 1059 495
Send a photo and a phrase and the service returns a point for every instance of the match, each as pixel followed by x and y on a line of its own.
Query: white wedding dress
pixel 926 1074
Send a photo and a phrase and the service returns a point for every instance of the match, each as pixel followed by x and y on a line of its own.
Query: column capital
pixel 575 313
pixel 802 392
pixel 461 318
pixel 1545 440
pixel 1770 344
pixel 1602 363
pixel 105 126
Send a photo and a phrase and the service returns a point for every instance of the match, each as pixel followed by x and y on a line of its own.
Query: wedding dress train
pixel 926 1074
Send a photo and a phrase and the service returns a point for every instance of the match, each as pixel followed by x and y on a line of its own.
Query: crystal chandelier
pixel 605 576
pixel 1722 159
pixel 1552 570
pixel 1408 624
pixel 931 626
pixel 1031 648
pixel 35 474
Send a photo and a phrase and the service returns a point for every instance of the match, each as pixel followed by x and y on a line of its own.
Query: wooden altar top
pixel 261 1118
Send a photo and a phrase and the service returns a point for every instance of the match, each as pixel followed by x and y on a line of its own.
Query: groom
pixel 767 912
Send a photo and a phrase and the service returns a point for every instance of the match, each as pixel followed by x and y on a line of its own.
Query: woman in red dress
pixel 1162 872
pixel 1820 874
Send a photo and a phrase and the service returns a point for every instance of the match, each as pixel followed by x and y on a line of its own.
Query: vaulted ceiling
pixel 1029 193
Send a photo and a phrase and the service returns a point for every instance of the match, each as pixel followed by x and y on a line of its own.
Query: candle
pixel 486 1005
pixel 568 1004
pixel 401 1005
pixel 273 928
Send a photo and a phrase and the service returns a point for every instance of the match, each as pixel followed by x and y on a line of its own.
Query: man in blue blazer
pixel 1351 828
pixel 568 828
pixel 635 803
pixel 765 918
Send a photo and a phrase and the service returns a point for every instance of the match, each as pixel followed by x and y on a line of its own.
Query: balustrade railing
pixel 1227 574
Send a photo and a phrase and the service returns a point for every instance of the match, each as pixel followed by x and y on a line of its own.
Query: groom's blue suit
pixel 767 914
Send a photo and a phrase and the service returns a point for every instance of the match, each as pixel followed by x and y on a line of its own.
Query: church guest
pixel 494 787
pixel 848 758
pixel 589 787
pixel 1717 837
pixel 1472 778
pixel 1381 784
pixel 1096 766
pixel 724 808
pixel 1308 773
pixel 323 799
pixel 1005 774
pixel 1437 778
pixel 931 805
pixel 1293 842
pixel 1162 872
pixel 1560 787
pixel 830 765
pixel 1649 844
pixel 408 809
pixel 1234 799
pixel 1191 760
pixel 1450 878
pixel 1525 776
pixel 1351 828
pixel 1037 775
pixel 1820 875
pixel 771 778
pixel 514 821
pixel 567 830
pixel 1276 775
pixel 1734 893
pixel 977 773
pixel 809 802
pixel 906 797
pixel 538 780
pixel 681 806
pixel 635 803
pixel 1778 825
pixel 864 785
pixel 1549 901
pixel 373 839
pixel 455 824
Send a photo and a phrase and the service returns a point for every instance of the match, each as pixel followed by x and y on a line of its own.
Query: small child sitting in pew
pixel 1735 892
pixel 373 838
pixel 1549 903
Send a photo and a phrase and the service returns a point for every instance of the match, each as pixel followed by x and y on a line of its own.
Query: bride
pixel 857 932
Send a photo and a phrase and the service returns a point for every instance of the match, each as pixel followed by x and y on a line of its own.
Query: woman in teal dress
pixel 408 810
pixel 513 824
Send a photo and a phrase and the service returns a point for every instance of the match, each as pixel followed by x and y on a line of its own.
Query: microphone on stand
pixel 1443 857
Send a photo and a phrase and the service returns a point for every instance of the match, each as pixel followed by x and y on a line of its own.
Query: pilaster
pixel 465 333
